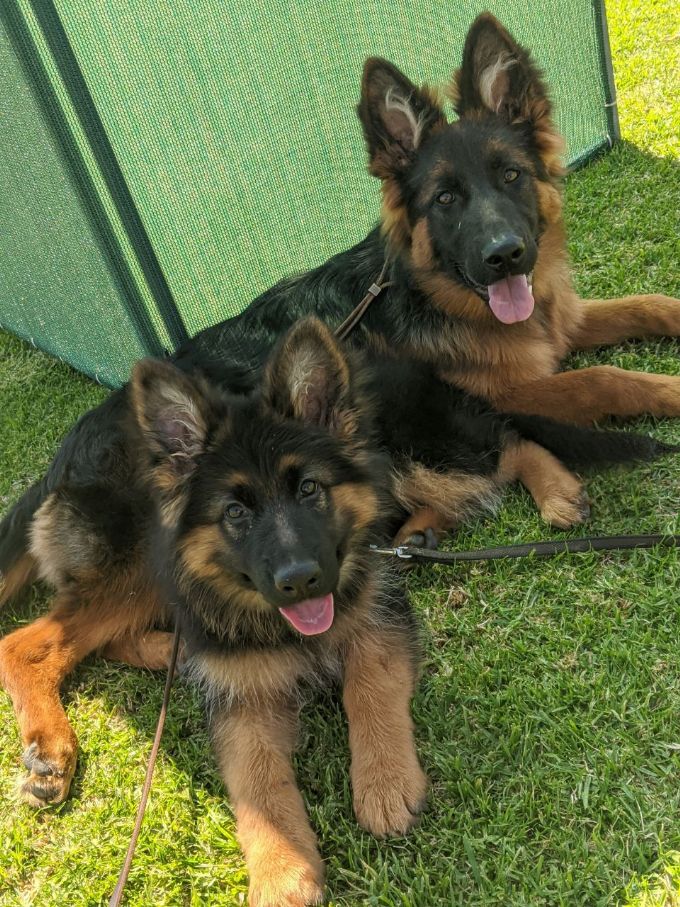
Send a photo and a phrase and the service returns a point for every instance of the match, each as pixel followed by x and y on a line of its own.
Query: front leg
pixel 34 661
pixel 608 321
pixel 588 395
pixel 388 783
pixel 253 744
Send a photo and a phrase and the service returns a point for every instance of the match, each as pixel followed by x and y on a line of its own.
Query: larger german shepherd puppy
pixel 473 235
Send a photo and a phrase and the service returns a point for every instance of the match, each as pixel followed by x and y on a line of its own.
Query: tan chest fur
pixel 489 358
pixel 264 674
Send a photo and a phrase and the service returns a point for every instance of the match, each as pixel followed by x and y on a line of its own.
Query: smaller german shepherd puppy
pixel 257 511
pixel 267 508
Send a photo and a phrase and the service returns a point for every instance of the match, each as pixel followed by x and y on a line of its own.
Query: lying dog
pixel 473 237
pixel 255 514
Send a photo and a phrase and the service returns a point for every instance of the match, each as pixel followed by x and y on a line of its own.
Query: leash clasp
pixel 401 551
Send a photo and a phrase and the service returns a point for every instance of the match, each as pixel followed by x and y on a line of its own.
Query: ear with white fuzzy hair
pixel 499 76
pixel 172 414
pixel 395 115
pixel 308 379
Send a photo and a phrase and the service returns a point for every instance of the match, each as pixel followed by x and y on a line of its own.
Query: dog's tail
pixel 17 564
pixel 577 446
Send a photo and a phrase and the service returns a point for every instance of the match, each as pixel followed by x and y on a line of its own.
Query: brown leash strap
pixel 117 895
pixel 355 316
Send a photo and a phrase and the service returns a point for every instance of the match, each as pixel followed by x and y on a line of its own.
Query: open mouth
pixel 510 299
pixel 312 616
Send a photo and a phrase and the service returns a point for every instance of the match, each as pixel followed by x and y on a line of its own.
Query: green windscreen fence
pixel 163 163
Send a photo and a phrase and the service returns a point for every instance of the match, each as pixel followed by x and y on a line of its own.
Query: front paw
pixel 418 538
pixel 567 508
pixel 389 799
pixel 275 882
pixel 49 776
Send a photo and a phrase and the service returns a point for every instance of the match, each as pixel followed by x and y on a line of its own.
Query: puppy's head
pixel 468 201
pixel 270 500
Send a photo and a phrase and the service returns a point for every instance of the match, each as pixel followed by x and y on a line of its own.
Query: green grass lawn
pixel 548 715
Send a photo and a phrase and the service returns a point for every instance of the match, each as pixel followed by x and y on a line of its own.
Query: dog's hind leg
pixel 253 744
pixel 558 493
pixel 150 650
pixel 423 529
pixel 607 321
pixel 439 500
pixel 589 395
pixel 34 661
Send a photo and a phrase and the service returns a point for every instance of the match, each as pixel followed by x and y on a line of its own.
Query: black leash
pixel 538 549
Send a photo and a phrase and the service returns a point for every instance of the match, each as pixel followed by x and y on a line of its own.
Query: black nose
pixel 504 254
pixel 298 579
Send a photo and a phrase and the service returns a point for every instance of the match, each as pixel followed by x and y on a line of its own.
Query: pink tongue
pixel 312 616
pixel 510 299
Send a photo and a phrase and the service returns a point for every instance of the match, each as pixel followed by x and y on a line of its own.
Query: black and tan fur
pixel 228 501
pixel 87 528
pixel 137 510
pixel 504 132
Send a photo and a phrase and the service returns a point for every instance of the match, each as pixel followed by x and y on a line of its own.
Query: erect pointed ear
pixel 396 117
pixel 172 414
pixel 499 76
pixel 308 379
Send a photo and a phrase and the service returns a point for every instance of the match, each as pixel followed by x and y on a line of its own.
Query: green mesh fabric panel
pixel 58 287
pixel 233 124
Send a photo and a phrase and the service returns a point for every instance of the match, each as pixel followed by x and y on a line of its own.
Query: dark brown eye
pixel 234 511
pixel 445 198
pixel 510 175
pixel 308 487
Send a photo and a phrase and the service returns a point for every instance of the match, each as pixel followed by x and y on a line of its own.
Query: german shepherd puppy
pixel 473 235
pixel 254 513
pixel 263 510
